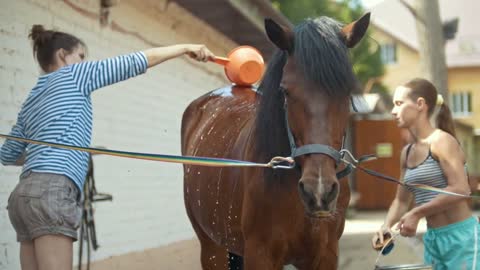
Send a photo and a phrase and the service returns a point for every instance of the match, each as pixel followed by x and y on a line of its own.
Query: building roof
pixel 393 18
pixel 370 103
pixel 240 20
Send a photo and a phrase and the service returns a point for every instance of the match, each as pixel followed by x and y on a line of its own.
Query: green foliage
pixel 365 56
pixel 297 10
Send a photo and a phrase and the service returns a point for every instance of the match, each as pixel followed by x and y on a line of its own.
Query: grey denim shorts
pixel 43 204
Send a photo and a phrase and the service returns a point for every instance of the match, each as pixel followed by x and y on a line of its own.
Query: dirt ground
pixel 355 251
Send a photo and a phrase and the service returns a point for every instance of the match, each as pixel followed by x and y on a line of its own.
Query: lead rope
pixel 274 163
pixel 355 164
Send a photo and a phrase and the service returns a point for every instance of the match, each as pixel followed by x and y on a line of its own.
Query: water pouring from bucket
pixel 243 66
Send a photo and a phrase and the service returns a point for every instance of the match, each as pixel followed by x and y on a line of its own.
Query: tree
pixel 431 43
pixel 366 59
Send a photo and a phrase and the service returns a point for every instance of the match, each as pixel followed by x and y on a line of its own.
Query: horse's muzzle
pixel 319 198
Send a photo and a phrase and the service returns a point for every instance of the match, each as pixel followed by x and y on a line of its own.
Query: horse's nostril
pixel 305 193
pixel 304 190
pixel 332 194
pixel 334 187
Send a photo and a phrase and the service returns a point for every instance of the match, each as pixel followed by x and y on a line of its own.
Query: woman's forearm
pixel 158 55
pixel 439 204
pixel 395 212
pixel 198 52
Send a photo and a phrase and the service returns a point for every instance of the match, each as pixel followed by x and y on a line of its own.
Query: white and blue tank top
pixel 429 172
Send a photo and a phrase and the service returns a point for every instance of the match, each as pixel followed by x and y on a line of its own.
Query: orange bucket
pixel 244 65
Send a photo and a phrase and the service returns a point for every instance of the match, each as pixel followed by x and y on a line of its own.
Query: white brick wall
pixel 142 114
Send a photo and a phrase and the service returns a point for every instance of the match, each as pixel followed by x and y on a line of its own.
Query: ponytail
pixel 39 36
pixel 47 42
pixel 444 120
pixel 437 109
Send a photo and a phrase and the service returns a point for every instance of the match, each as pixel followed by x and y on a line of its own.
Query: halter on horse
pixel 272 217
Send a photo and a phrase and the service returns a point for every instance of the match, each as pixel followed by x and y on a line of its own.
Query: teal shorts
pixel 453 247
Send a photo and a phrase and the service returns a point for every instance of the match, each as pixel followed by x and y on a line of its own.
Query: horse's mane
pixel 321 54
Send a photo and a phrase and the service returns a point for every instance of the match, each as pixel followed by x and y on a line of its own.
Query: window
pixel 388 53
pixel 461 103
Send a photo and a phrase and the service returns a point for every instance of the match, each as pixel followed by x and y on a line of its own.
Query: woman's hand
pixel 408 224
pixel 199 52
pixel 380 236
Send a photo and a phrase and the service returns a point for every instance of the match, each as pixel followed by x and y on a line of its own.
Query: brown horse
pixel 272 217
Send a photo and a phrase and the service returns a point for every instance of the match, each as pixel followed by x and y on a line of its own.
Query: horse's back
pixel 213 121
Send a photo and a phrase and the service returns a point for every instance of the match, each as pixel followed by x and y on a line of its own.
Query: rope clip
pixel 282 163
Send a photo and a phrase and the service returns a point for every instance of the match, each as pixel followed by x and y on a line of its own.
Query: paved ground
pixel 355 250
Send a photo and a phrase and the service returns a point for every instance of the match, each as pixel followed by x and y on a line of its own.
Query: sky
pixel 370 3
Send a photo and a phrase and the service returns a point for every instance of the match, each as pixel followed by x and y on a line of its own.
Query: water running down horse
pixel 270 217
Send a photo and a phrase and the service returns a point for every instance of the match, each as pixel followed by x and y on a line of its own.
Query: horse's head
pixel 306 92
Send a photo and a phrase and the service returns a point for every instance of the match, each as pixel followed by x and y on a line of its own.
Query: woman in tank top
pixel 434 158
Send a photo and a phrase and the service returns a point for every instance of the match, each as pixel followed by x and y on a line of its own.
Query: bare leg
pixel 54 252
pixel 28 260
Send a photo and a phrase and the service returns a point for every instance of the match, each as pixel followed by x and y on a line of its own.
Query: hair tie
pixel 439 100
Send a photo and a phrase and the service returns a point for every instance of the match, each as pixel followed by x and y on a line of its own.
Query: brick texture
pixel 142 114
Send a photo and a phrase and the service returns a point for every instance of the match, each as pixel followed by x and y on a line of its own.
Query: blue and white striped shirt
pixel 59 110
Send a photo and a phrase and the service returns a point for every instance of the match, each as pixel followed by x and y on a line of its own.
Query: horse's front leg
pixel 259 256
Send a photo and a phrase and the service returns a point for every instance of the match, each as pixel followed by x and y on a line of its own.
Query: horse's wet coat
pixel 265 215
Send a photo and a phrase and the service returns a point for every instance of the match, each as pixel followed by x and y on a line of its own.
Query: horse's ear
pixel 281 36
pixel 356 30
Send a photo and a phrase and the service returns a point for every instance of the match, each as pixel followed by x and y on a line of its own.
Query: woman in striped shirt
pixel 435 158
pixel 45 207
